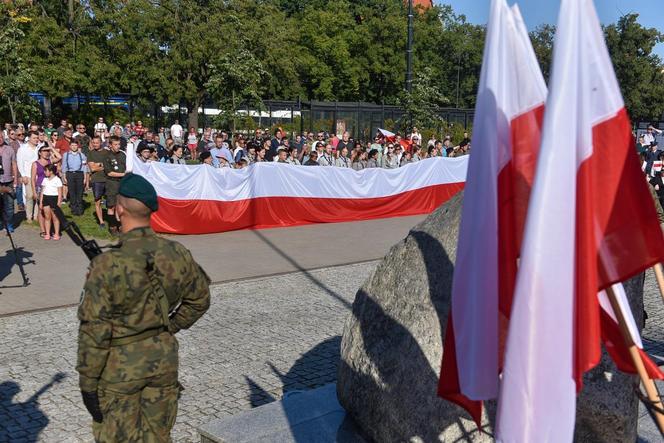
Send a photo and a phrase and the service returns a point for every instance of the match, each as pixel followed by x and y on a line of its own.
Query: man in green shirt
pixel 115 165
pixel 96 158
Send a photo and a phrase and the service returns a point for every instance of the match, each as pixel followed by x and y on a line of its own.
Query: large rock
pixel 392 348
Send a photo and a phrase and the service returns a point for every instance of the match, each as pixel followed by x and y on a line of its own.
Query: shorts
pixel 112 189
pixel 99 190
pixel 50 201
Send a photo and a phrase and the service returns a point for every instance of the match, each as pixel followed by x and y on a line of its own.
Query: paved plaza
pixel 261 338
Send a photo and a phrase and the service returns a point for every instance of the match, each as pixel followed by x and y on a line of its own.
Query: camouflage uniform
pixel 128 353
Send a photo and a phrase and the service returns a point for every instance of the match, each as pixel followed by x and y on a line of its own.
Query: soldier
pixel 136 297
pixel 115 165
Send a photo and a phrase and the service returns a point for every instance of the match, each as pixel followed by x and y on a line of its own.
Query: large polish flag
pixel 201 199
pixel 590 223
pixel 506 140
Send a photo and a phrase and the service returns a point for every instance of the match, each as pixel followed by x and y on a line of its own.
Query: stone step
pixel 313 416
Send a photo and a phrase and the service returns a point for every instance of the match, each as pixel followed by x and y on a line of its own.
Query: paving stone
pixel 290 323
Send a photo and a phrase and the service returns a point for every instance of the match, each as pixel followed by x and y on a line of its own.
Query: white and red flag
pixel 506 139
pixel 590 223
pixel 387 135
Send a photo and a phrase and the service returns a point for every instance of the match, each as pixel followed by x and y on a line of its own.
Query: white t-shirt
pixel 51 184
pixel 176 131
pixel 100 128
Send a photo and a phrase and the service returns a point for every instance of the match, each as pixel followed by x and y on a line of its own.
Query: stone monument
pixel 392 348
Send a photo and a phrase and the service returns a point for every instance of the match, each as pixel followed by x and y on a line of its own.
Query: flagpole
pixel 648 384
pixel 659 275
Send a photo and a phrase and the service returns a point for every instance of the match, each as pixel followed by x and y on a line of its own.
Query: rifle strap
pixel 158 290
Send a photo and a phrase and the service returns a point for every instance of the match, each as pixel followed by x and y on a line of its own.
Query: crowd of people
pixel 49 166
pixel 220 149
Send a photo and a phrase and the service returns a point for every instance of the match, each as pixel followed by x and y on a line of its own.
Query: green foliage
pixel 542 40
pixel 421 105
pixel 172 52
pixel 16 75
pixel 639 71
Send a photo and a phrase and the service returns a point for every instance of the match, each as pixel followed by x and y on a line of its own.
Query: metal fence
pixel 360 119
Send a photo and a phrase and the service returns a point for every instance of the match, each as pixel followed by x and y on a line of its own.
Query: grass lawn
pixel 88 221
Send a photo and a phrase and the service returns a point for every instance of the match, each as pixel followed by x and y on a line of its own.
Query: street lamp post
pixel 409 48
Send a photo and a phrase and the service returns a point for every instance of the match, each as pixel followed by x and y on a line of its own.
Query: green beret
pixel 135 186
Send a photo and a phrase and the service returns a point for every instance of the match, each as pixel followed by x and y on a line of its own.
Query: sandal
pixel 56 237
pixel 47 237
pixel 42 234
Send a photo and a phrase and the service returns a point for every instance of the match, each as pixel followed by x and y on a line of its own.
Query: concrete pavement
pixel 56 270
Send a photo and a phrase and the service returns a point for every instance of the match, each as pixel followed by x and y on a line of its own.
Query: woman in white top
pixel 343 161
pixel 49 198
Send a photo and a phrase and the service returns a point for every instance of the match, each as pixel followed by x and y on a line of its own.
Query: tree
pixel 542 40
pixel 452 48
pixel 639 71
pixel 236 79
pixel 16 79
pixel 421 105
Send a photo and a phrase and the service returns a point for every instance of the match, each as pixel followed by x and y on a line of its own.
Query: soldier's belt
pixel 121 341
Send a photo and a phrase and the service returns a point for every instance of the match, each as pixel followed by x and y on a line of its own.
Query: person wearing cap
pixel 136 297
pixel 115 166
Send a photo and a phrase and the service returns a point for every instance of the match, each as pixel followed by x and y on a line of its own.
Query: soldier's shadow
pixel 23 420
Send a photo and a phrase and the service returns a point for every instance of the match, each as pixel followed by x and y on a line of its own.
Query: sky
pixel 536 12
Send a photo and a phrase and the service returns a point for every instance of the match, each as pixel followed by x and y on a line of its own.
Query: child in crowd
pixel 192 142
pixel 49 198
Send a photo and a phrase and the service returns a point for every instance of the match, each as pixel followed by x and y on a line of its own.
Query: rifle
pixel 90 247
pixel 9 190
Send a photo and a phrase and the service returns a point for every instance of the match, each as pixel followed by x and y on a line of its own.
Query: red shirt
pixel 62 145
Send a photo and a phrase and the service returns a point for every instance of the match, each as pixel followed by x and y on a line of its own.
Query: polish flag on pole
pixel 506 140
pixel 389 136
pixel 590 223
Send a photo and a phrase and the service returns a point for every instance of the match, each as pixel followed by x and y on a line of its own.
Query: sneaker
pixel 10 229
pixel 102 226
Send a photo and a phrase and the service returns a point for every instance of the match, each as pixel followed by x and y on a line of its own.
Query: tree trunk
pixel 192 113
pixel 11 110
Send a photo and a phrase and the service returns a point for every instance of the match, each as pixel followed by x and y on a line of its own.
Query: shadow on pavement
pixel 23 420
pixel 316 367
pixel 295 264
pixel 8 261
